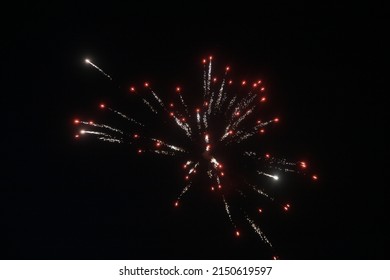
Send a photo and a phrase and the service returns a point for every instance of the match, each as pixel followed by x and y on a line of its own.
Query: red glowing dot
pixel 178 89
pixel 222 174
pixel 285 208
pixel 211 58
pixel 183 119
pixel 275 257
pixel 176 203
pixel 260 210
pixel 303 164
pixel 276 119
pixel 255 85
pixel 267 155
pixel 230 82
pixel 230 132
pixel 227 68
pixel 185 166
pixel 158 144
pixel 197 110
pixel 237 233
pixel 314 177
pixel 259 121
pixel 262 99
pixel 262 89
pixel 243 83
pixel 212 188
pixel 136 135
pixel 220 166
pixel 206 104
pixel 219 187
pixel 259 81
pixel 237 113
pixel 76 121
pixel 102 106
pixel 204 61
pixel 90 122
pixel 187 177
pixel 76 136
pixel 146 84
pixel 171 105
pixel 139 151
pixel 288 205
pixel 132 89
pixel 215 79
pixel 262 130
pixel 171 114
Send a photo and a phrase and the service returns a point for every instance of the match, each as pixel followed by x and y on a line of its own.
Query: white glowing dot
pixel 275 177
pixel 87 61
pixel 82 131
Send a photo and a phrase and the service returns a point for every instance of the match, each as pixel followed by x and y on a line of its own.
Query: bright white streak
pixel 275 177
pixel 96 67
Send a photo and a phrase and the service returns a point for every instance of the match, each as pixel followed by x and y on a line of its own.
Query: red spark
pixel 76 121
pixel 132 89
pixel 215 79
pixel 212 188
pixel 139 151
pixel 158 144
pixel 260 210
pixel 237 233
pixel 171 114
pixel 314 177
pixel 171 105
pixel 275 257
pixel 243 83
pixel 276 119
pixel 136 136
pixel 263 99
pixel 90 122
pixel 76 136
pixel 227 68
pixel 176 203
pixel 222 174
pixel 183 119
pixel 204 61
pixel 230 132
pixel 210 57
pixel 230 82
pixel 262 89
pixel 187 177
pixel 255 85
pixel 197 110
pixel 178 89
pixel 262 130
pixel 102 106
pixel 267 155
pixel 146 84
pixel 259 81
pixel 219 187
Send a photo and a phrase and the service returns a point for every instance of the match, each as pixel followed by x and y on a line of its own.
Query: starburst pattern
pixel 213 132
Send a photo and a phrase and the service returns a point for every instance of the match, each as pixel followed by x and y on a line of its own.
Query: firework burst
pixel 213 140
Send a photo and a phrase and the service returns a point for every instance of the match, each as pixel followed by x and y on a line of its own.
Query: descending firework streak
pixel 221 124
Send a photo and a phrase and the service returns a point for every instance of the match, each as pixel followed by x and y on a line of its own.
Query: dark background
pixel 67 199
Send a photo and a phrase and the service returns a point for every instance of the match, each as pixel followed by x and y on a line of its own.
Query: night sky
pixel 67 199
